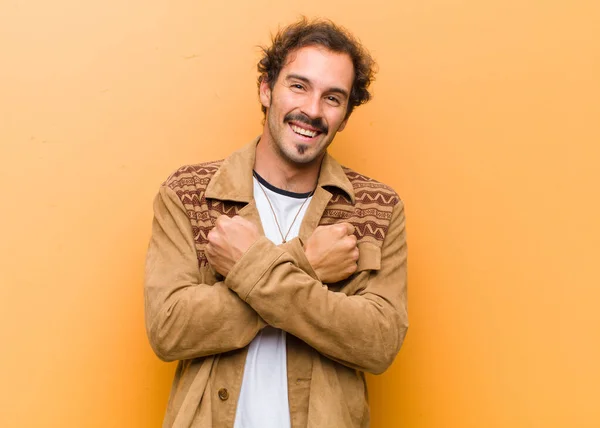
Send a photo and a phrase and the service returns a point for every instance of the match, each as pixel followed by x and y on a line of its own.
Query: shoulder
pixel 196 176
pixel 370 191
pixel 371 214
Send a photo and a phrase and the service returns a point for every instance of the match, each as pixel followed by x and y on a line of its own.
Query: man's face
pixel 308 103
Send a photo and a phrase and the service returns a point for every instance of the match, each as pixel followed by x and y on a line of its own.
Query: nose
pixel 312 106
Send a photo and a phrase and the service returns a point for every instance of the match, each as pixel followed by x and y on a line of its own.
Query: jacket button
pixel 223 394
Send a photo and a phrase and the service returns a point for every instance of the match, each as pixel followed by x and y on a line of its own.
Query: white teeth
pixel 303 131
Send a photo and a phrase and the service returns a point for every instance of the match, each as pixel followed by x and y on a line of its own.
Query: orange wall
pixel 485 119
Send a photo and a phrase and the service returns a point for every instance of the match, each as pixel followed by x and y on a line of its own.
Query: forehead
pixel 322 67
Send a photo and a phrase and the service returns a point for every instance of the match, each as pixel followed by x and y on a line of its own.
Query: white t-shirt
pixel 263 401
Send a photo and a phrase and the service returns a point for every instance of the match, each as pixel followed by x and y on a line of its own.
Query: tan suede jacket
pixel 335 331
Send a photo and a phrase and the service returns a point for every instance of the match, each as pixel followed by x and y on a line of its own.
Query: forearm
pixel 197 320
pixel 362 327
pixel 188 313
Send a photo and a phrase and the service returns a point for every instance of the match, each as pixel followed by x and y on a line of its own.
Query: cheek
pixel 336 120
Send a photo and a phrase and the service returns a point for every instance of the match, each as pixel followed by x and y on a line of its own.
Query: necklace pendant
pixel 283 242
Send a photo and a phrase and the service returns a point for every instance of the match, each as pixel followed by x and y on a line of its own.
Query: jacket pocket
pixel 369 257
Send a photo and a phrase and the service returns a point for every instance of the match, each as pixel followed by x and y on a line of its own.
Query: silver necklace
pixel 283 237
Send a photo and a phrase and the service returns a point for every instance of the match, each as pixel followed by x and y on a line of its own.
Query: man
pixel 278 277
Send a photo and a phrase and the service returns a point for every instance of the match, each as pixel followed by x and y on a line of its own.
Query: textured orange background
pixel 485 120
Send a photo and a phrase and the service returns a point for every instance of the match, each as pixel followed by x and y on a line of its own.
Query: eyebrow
pixel 307 81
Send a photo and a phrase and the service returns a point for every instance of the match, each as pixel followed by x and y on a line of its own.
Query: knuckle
pixel 340 228
pixel 350 242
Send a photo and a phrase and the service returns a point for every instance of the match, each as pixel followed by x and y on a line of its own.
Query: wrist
pixel 312 262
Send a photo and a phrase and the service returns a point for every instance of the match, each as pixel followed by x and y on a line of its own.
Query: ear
pixel 265 93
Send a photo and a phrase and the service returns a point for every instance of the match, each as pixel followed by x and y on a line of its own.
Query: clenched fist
pixel 332 252
pixel 228 241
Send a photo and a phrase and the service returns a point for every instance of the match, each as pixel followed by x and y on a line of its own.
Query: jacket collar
pixel 233 180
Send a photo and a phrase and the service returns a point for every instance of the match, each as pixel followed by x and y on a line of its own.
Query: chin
pixel 301 154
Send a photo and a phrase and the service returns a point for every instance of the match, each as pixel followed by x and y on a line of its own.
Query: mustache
pixel 316 123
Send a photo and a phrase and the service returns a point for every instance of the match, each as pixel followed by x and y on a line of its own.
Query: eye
pixel 333 100
pixel 297 86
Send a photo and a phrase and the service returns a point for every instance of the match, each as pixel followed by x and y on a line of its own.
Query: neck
pixel 284 174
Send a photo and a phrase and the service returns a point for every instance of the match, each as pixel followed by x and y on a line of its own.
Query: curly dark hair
pixel 319 32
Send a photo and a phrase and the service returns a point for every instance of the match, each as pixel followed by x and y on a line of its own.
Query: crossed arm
pixel 265 284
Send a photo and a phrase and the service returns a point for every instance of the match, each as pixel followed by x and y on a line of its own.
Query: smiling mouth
pixel 303 131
